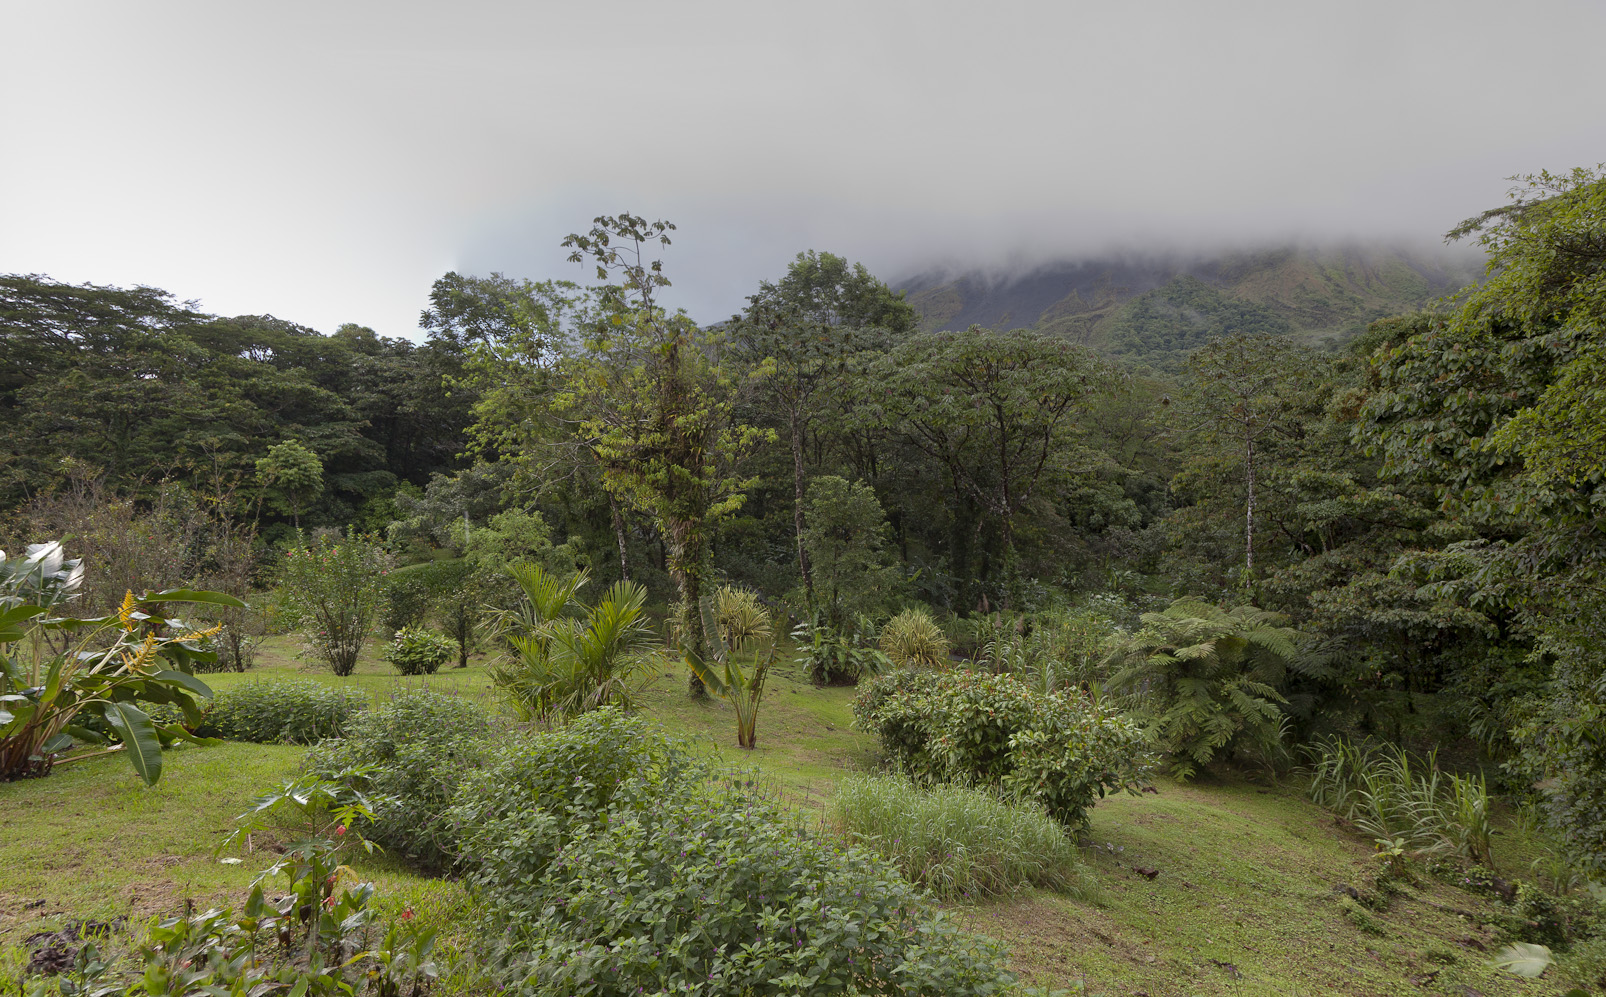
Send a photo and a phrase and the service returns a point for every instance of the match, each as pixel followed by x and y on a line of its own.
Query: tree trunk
pixel 685 565
pixel 619 537
pixel 1249 507
pixel 797 507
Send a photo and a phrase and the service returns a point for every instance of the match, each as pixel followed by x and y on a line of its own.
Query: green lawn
pixel 1243 902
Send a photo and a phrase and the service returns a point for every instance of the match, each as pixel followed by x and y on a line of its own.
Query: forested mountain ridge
pixel 1142 305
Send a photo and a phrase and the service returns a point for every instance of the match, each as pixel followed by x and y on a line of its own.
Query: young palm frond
pixel 544 597
pixel 742 621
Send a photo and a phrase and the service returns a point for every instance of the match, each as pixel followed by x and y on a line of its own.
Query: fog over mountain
pixel 327 161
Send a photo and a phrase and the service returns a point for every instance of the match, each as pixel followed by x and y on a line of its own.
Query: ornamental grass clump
pixel 960 843
pixel 912 639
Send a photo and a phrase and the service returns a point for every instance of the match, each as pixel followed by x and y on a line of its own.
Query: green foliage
pixel 996 410
pixel 1206 680
pixel 1051 651
pixel 615 871
pixel 292 475
pixel 331 592
pixel 657 409
pixel 912 639
pixel 740 619
pixel 1394 798
pixel 91 683
pixel 408 757
pixel 846 544
pixel 842 656
pixel 562 667
pixel 417 651
pixel 957 842
pixel 281 711
pixel 1184 315
pixel 1061 751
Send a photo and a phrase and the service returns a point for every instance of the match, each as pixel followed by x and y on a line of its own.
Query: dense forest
pixel 1414 513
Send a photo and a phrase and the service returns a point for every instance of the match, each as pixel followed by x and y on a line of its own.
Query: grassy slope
pixel 1243 903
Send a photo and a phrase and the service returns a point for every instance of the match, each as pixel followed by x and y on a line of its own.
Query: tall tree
pixel 1238 389
pixel 808 326
pixel 657 407
pixel 996 410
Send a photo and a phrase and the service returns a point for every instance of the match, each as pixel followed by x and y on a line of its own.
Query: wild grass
pixel 1395 797
pixel 960 843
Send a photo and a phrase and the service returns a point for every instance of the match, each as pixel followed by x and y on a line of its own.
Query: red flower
pixel 407 915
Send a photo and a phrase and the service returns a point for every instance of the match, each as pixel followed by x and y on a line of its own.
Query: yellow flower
pixel 125 615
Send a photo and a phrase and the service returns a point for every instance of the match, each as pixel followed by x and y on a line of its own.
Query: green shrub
pixel 1587 961
pixel 330 592
pixel 417 651
pixel 290 711
pixel 616 870
pixel 1061 750
pixel 958 842
pixel 406 600
pixel 913 639
pixel 409 756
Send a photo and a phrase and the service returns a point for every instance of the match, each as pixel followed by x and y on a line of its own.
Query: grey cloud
pixel 327 161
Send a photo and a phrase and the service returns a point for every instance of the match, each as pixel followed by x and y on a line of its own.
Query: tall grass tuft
pixel 1390 795
pixel 959 843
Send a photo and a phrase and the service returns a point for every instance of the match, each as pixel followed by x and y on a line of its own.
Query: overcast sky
pixel 326 161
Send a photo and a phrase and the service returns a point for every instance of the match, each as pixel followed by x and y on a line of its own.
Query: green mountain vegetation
pixel 1158 308
pixel 1204 646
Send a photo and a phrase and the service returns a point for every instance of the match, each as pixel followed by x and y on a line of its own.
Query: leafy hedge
pixel 293 712
pixel 1060 749
pixel 617 869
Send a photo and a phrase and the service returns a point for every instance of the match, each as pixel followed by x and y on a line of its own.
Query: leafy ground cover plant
pixel 959 843
pixel 615 869
pixel 57 675
pixel 409 757
pixel 839 656
pixel 418 651
pixel 283 711
pixel 1060 750
pixel 331 592
pixel 306 928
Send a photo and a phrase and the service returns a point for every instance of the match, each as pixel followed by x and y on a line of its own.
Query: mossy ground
pixel 1243 900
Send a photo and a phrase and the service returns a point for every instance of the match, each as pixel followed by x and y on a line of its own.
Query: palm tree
pixel 563 666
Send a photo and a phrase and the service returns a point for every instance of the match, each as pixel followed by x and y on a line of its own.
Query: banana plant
pixel 50 700
pixel 744 690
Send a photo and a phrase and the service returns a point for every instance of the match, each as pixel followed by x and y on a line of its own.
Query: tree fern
pixel 1207 681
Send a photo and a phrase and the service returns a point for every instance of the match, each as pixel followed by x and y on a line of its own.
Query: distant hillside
pixel 1159 307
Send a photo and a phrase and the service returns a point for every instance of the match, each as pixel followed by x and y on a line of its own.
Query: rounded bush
pixel 1062 750
pixel 417 651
